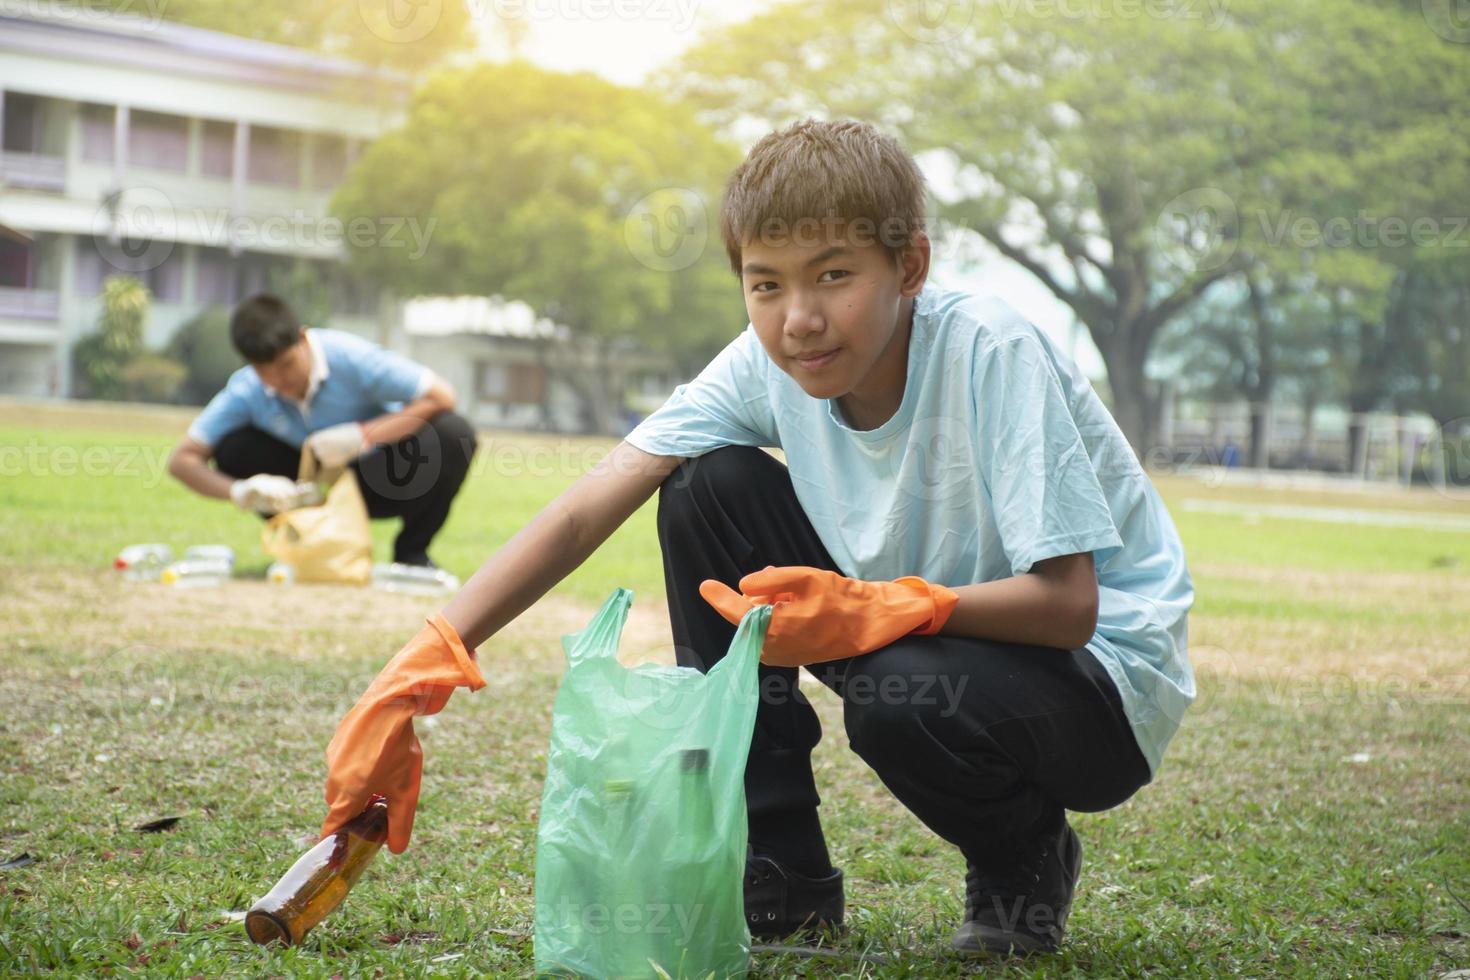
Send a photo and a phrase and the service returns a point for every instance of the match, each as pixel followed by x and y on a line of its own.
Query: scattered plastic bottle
pixel 414 579
pixel 319 880
pixel 220 553
pixel 195 574
pixel 280 574
pixel 632 946
pixel 143 562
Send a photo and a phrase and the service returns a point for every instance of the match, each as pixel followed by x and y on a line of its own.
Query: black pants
pixel 987 743
pixel 415 478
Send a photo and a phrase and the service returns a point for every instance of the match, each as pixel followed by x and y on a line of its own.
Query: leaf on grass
pixel 158 826
pixel 19 861
pixel 412 936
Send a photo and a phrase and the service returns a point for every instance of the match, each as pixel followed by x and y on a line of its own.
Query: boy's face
pixel 290 371
pixel 826 311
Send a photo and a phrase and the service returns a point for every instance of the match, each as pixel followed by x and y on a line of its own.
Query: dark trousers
pixel 415 478
pixel 987 743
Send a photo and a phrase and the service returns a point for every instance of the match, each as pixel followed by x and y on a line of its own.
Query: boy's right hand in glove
pixel 264 492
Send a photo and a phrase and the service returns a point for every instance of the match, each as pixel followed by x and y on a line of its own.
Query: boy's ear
pixel 913 265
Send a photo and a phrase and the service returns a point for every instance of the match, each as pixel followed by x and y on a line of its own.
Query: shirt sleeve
pixel 227 411
pixel 389 378
pixel 1044 491
pixel 728 404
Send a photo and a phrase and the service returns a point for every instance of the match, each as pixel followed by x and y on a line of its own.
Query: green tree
pixel 1129 162
pixel 305 287
pixel 101 357
pixel 594 203
pixel 202 345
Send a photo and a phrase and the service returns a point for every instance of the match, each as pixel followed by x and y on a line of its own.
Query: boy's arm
pixel 1052 605
pixel 555 542
pixel 189 464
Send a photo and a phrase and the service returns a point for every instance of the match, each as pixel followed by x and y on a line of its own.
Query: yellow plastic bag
pixel 331 542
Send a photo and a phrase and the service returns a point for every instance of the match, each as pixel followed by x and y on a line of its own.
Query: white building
pixel 197 161
pixel 514 369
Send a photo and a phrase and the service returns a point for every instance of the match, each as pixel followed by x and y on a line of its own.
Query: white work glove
pixel 265 493
pixel 338 445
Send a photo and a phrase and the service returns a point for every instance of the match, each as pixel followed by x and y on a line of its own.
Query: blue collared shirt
pixel 352 380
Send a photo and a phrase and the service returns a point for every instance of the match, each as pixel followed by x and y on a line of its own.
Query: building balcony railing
pixel 29 304
pixel 33 170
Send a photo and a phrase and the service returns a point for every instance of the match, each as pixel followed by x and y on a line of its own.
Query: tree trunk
pixel 1357 454
pixel 1133 404
pixel 1260 444
pixel 1307 449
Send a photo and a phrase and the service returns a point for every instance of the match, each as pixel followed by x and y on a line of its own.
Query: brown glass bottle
pixel 319 880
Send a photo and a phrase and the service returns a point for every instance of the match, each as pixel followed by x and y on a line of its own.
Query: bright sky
pixel 625 40
pixel 622 40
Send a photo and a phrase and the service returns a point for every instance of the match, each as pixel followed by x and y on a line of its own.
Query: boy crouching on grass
pixel 961 544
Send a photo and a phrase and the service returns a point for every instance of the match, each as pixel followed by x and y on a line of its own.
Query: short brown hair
pixel 262 327
pixel 818 172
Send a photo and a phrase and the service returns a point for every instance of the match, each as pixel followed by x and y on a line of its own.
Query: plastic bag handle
pixel 600 638
pixel 745 648
pixel 309 470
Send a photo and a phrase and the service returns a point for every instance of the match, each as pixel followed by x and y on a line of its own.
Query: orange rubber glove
pixel 375 749
pixel 820 615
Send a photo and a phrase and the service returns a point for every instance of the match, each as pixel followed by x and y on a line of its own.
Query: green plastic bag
pixel 640 851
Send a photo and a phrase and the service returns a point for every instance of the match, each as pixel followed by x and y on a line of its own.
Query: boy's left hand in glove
pixel 820 615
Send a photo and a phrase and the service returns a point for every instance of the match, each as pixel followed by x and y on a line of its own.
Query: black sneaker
pixel 779 901
pixel 1024 909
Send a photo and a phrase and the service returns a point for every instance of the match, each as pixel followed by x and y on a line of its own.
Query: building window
pixel 22 123
pixel 329 162
pixel 509 384
pixel 15 265
pixel 217 154
pixel 158 142
pixel 98 132
pixel 166 280
pixel 90 267
pixel 275 156
pixel 214 277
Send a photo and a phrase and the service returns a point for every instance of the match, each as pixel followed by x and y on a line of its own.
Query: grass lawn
pixel 1312 818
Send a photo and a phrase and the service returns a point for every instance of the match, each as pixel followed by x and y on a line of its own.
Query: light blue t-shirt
pixel 999 456
pixel 352 380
